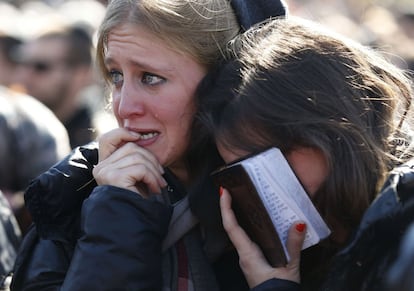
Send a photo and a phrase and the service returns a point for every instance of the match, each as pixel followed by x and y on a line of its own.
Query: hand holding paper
pixel 267 199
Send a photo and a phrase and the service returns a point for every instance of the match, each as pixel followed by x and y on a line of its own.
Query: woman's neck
pixel 180 171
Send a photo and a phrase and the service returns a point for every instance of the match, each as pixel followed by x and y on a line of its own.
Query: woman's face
pixel 153 90
pixel 309 165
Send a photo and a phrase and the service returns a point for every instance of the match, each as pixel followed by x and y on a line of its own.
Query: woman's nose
pixel 130 103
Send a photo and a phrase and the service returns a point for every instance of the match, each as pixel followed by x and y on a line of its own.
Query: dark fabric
pixel 10 237
pixel 115 246
pixel 118 250
pixel 364 264
pixel 121 244
pixel 80 127
pixel 277 285
pixel 228 272
pixel 400 275
pixel 44 264
pixel 29 132
pixel 250 12
pixel 55 198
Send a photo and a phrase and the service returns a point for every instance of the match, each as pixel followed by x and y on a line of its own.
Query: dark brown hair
pixel 294 84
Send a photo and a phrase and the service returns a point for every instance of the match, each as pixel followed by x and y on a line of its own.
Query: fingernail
pixel 300 227
pixel 221 191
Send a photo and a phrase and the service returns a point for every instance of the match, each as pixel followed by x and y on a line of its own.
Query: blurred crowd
pixel 384 25
pixel 53 100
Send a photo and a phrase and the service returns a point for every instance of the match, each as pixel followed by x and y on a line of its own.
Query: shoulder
pixel 55 198
pixel 375 246
pixel 393 208
pixel 398 191
pixel 38 123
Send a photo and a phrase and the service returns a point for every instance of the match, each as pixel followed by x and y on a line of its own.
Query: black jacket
pixel 116 225
pixel 10 237
pixel 89 237
pixel 365 263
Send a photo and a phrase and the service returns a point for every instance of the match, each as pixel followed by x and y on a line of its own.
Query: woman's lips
pixel 147 138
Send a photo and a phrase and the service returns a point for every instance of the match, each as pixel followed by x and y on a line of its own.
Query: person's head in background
pixel 32 140
pixel 56 66
pixel 153 54
pixel 9 45
pixel 338 111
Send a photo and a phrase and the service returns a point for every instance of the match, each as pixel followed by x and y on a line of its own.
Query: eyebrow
pixel 145 66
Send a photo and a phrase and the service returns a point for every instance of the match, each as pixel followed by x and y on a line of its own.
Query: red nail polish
pixel 300 227
pixel 221 191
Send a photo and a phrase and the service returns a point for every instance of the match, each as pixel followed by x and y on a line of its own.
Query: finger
pixel 237 235
pixel 135 163
pixel 143 179
pixel 141 168
pixel 141 154
pixel 146 154
pixel 112 140
pixel 296 237
pixel 128 176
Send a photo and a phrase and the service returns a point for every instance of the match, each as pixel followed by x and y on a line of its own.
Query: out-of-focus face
pixel 7 71
pixel 44 73
pixel 153 91
pixel 309 165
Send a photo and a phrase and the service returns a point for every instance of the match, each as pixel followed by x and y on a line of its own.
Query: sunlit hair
pixel 294 84
pixel 200 29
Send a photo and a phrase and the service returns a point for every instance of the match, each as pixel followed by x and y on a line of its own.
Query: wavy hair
pixel 294 84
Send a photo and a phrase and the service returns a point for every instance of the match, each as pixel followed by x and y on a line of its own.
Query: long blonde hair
pixel 200 29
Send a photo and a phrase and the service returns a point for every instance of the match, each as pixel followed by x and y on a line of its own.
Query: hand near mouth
pixel 122 163
pixel 112 140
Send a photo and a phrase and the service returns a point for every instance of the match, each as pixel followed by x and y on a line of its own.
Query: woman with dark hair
pixel 342 117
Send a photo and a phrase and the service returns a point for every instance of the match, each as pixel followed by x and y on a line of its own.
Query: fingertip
pixel 221 189
pixel 300 227
pixel 299 233
pixel 224 194
pixel 225 199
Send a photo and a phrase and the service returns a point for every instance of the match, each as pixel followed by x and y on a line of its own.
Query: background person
pixel 57 69
pixel 9 45
pixel 342 116
pixel 32 140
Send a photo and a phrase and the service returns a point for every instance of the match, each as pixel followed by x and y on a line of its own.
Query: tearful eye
pixel 151 79
pixel 116 78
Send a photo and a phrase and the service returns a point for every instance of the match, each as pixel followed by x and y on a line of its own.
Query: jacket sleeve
pixel 277 285
pixel 120 248
pixel 55 198
pixel 121 242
